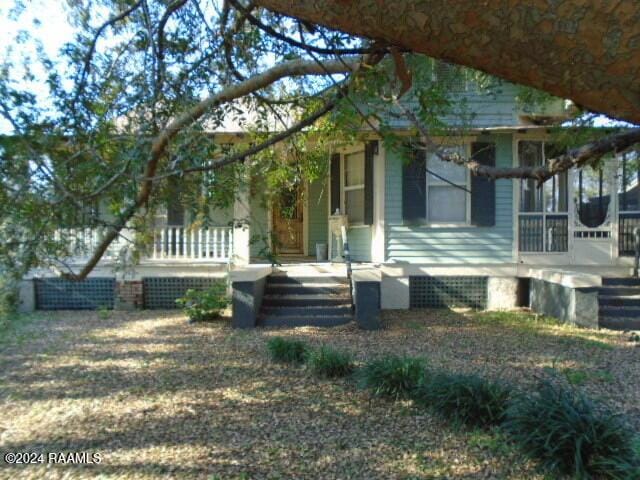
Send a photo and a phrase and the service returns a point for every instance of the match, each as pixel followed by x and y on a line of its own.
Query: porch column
pixel 377 229
pixel 241 230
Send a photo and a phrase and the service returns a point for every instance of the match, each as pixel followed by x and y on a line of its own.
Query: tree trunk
pixel 584 50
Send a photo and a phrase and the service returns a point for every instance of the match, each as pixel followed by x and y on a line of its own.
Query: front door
pixel 288 222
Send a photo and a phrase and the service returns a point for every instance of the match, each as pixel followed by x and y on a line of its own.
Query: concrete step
pixel 620 323
pixel 329 310
pixel 303 321
pixel 614 290
pixel 305 300
pixel 277 278
pixel 306 289
pixel 621 281
pixel 619 300
pixel 620 311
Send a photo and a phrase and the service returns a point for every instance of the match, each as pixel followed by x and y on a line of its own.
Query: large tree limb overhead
pixel 584 50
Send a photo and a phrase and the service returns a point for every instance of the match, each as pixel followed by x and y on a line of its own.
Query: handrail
pixel 347 259
pixel 636 245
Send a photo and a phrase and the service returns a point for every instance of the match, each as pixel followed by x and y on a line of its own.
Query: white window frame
pixel 466 148
pixel 343 186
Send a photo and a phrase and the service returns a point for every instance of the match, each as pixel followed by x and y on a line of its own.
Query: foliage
pixel 287 351
pixel 466 399
pixel 328 362
pixel 392 376
pixel 571 434
pixel 203 305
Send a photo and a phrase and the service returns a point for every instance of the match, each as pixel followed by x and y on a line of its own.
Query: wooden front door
pixel 288 222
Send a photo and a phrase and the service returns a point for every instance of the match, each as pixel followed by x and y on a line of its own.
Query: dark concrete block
pixel 246 300
pixel 367 302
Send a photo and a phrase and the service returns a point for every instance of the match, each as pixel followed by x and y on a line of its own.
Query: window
pixel 543 220
pixel 446 203
pixel 628 200
pixel 354 187
pixel 592 197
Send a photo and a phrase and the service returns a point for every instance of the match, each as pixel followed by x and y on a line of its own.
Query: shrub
pixel 288 351
pixel 203 305
pixel 465 399
pixel 571 435
pixel 392 376
pixel 329 362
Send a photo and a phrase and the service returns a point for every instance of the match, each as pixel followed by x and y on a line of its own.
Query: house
pixel 416 238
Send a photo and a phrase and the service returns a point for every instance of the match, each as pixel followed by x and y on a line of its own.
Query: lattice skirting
pixel 440 292
pixel 162 292
pixel 60 294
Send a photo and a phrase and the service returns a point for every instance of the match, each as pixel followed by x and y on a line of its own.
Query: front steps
pixel 619 300
pixel 318 300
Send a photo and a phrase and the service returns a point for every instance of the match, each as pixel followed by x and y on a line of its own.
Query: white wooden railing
pixel 209 244
pixel 188 244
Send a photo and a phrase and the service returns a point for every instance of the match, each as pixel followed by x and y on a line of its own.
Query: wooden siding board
pixel 422 244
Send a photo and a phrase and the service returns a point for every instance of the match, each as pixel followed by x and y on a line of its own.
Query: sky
pixel 45 20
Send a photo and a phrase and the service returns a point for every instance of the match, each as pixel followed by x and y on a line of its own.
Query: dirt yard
pixel 156 397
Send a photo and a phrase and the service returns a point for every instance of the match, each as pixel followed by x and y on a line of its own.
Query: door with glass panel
pixel 593 217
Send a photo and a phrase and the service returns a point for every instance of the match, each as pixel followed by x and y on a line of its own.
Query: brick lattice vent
pixel 129 295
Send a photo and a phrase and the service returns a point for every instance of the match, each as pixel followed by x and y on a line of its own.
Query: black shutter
pixel 369 150
pixel 483 189
pixel 335 183
pixel 175 209
pixel 414 185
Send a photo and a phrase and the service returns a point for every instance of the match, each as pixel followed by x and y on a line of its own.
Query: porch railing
pixel 207 244
pixel 210 243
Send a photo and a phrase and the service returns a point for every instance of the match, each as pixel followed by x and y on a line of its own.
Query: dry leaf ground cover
pixel 157 397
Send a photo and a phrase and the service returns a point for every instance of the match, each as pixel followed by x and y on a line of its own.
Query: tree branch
pixel 160 143
pixel 92 48
pixel 576 157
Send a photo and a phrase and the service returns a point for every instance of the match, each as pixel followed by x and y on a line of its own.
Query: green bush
pixel 288 351
pixel 465 399
pixel 329 362
pixel 203 305
pixel 571 435
pixel 392 376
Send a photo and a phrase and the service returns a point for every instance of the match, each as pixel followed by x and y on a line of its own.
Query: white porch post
pixel 377 230
pixel 241 230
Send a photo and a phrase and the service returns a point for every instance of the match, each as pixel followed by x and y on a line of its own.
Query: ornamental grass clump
pixel 392 376
pixel 572 435
pixel 464 399
pixel 287 351
pixel 328 362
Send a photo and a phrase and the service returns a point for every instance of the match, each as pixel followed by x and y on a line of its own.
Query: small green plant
pixel 203 305
pixel 465 399
pixel 575 376
pixel 572 435
pixel 330 363
pixel 103 312
pixel 392 376
pixel 287 351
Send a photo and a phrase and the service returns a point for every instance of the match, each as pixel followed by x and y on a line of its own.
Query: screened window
pixel 543 220
pixel 628 178
pixel 592 197
pixel 354 187
pixel 446 195
pixel 628 200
